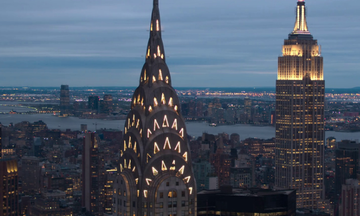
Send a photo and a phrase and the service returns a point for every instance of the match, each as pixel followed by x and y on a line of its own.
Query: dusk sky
pixel 211 43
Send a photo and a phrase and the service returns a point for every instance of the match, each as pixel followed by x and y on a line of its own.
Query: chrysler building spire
pixel 156 173
pixel 300 23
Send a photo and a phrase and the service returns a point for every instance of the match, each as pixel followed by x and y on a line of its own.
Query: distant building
pixel 92 183
pixel 94 103
pixel 106 105
pixel 48 206
pixel 350 198
pixel 64 100
pixel 9 191
pixel 203 172
pixel 248 108
pixel 346 163
pixel 250 202
pixel 30 167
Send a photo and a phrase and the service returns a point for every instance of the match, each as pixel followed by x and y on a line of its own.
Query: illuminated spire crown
pixel 155 49
pixel 300 23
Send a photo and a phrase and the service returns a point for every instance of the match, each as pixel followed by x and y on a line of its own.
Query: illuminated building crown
pixel 155 147
pixel 300 23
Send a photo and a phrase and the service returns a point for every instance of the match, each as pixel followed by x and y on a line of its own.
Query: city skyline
pixel 39 42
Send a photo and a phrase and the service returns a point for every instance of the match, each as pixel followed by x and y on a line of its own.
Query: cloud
pixel 207 43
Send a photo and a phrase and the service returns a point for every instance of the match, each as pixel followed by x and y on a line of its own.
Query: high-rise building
pixel 94 103
pixel 0 142
pixel 156 175
pixel 300 132
pixel 64 100
pixel 247 109
pixel 9 202
pixel 92 183
pixel 30 167
pixel 350 198
pixel 106 104
pixel 346 163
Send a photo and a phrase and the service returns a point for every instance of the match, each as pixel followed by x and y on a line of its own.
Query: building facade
pixel 346 164
pixel 156 175
pixel 9 192
pixel 92 182
pixel 350 198
pixel 300 88
pixel 64 100
pixel 30 167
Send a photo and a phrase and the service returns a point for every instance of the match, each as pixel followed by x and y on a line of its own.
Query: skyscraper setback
pixel 300 133
pixel 156 175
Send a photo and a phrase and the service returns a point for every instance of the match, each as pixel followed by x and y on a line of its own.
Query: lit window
pixel 171 101
pixel 125 147
pixel 187 179
pixel 170 194
pixel 151 27
pixel 121 168
pixel 130 144
pixel 138 193
pixel 185 156
pixel 125 164
pixel 176 108
pixel 125 130
pixel 167 80
pixel 181 170
pixel 190 190
pixel 177 147
pixel 133 170
pixel 148 133
pixel 154 79
pixel 173 163
pixel 165 121
pixel 156 148
pixel 145 193
pixel 157 25
pixel 136 180
pixel 129 167
pixel 154 171
pixel 160 77
pixel 174 125
pixel 138 123
pixel 145 69
pixel 182 132
pixel 148 181
pixel 167 144
pixel 158 51
pixel 163 166
pixel 135 148
pixel 156 125
pixel 148 157
pixel 150 109
pixel 163 101
pixel 155 101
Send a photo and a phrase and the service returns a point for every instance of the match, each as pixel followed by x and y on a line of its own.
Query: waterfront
pixel 193 128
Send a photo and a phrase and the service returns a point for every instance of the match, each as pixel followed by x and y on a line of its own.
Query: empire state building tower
pixel 300 89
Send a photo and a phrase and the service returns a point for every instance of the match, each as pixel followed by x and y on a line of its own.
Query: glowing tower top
pixel 300 24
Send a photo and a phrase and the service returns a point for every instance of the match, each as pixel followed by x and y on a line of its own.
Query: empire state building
pixel 156 175
pixel 300 89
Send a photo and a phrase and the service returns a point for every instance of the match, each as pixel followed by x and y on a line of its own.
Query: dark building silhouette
pixel 92 167
pixel 300 95
pixel 94 103
pixel 229 201
pixel 346 163
pixel 106 104
pixel 9 192
pixel 156 171
pixel 64 100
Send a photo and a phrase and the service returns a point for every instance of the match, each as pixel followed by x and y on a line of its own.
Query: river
pixel 193 128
